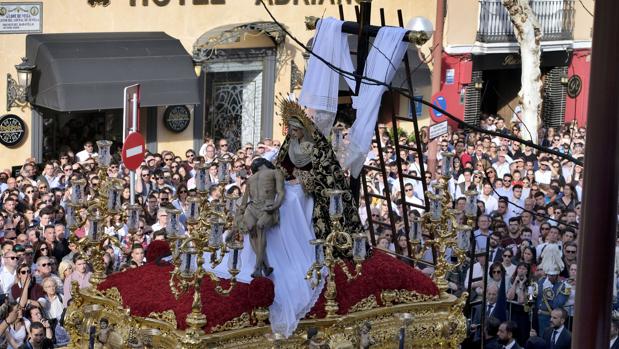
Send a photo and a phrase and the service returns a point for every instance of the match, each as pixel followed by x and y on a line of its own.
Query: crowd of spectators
pixel 527 200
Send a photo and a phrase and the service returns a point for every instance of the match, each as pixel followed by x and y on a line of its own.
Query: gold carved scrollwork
pixel 234 324
pixel 364 304
pixel 113 294
pixel 406 296
pixel 167 316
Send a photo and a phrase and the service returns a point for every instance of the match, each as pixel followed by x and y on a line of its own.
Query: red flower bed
pixel 379 272
pixel 146 289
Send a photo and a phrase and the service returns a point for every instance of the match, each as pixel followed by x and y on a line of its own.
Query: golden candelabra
pixel 442 221
pixel 211 230
pixel 325 253
pixel 104 205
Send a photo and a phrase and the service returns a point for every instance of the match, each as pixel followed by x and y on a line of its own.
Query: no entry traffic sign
pixel 133 151
pixel 438 100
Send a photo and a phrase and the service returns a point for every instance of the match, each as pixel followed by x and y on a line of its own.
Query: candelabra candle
pixel 69 213
pixel 193 214
pixel 319 251
pixel 436 209
pixel 231 204
pixel 188 260
pixel 217 230
pixel 201 176
pixel 358 247
pixel 93 230
pixel 223 169
pixel 133 218
pixel 77 191
pixel 336 205
pixel 104 156
pixel 338 137
pixel 113 200
pixel 470 208
pixel 234 263
pixel 172 228
pixel 447 163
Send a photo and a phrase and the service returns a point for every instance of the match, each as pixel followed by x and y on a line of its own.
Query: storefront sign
pixel 574 86
pixel 176 118
pixel 21 17
pixel 12 130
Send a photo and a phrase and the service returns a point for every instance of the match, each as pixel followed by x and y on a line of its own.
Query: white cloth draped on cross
pixel 320 87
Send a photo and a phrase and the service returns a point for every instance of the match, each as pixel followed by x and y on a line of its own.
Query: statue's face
pixel 296 133
pixel 103 325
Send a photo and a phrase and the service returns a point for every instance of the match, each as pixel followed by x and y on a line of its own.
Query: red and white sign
pixel 133 151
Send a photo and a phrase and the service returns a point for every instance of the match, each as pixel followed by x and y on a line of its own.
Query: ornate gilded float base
pixel 437 323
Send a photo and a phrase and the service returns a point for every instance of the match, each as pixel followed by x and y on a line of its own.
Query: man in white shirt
pixel 87 153
pixel 543 175
pixel 409 194
pixel 490 202
pixel 502 165
pixel 7 273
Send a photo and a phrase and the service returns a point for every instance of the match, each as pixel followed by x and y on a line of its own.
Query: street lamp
pixel 18 92
pixel 421 30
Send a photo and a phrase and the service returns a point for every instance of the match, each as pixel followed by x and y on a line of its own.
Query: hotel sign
pixel 21 17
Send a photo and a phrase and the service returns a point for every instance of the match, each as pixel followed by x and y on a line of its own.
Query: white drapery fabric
pixel 290 254
pixel 385 56
pixel 320 85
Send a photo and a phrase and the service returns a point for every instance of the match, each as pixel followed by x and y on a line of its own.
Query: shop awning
pixel 88 71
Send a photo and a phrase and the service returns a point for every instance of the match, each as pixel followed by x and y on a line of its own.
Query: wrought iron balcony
pixel 556 19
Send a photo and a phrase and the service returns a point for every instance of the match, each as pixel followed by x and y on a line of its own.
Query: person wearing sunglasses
pixel 45 269
pixel 35 291
pixel 8 271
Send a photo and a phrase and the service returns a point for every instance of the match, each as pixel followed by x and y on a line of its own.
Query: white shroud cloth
pixel 290 255
pixel 385 56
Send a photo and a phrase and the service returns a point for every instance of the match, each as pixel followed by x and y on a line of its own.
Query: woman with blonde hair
pixel 65 269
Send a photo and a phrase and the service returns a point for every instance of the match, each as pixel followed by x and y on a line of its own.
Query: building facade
pixel 481 61
pixel 206 67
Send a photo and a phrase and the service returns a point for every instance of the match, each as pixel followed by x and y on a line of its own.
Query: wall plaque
pixel 176 118
pixel 12 130
pixel 21 17
pixel 574 86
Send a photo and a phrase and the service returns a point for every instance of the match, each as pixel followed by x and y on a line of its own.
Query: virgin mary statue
pixel 310 167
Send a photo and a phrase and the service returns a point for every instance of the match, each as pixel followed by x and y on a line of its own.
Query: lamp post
pixel 18 92
pixel 211 229
pixel 325 253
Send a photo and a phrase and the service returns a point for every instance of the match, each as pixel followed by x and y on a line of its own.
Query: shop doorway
pixel 69 131
pixel 234 102
pixel 500 92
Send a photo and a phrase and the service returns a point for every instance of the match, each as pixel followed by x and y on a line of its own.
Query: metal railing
pixel 556 18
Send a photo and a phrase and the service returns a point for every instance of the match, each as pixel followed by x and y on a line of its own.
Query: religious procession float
pixel 288 264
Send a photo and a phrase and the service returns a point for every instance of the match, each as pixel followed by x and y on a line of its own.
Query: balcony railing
pixel 556 19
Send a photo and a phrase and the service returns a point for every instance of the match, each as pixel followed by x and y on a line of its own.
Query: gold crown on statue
pixel 289 108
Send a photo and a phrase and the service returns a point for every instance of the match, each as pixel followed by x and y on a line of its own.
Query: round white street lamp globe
pixel 421 30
